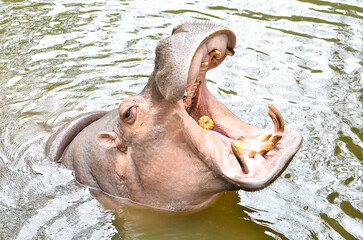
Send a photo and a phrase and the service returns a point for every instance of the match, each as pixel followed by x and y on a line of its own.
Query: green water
pixel 62 58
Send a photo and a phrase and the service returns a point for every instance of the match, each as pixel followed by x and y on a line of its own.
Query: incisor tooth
pixel 266 148
pixel 276 138
pixel 215 62
pixel 252 154
pixel 266 137
pixel 204 64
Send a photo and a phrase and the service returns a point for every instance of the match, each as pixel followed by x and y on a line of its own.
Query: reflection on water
pixel 60 59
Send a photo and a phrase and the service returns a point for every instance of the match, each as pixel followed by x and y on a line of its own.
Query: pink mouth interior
pixel 228 128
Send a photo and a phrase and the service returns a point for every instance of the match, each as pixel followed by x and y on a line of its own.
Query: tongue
pixel 226 140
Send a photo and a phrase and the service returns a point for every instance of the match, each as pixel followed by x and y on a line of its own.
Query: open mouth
pixel 248 156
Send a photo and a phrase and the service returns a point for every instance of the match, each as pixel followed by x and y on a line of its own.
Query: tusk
pixel 238 154
pixel 266 148
pixel 204 64
pixel 214 61
pixel 276 118
pixel 215 52
pixel 229 52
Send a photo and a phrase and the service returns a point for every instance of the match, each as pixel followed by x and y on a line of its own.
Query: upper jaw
pixel 175 56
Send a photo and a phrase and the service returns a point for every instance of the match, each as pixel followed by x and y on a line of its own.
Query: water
pixel 62 58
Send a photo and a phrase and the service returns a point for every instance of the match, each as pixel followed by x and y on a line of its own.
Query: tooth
pixel 238 154
pixel 215 52
pixel 252 154
pixel 229 52
pixel 266 148
pixel 276 138
pixel 215 62
pixel 185 94
pixel 204 64
pixel 266 137
pixel 276 118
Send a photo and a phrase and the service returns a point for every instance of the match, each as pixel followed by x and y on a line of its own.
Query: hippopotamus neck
pixel 170 139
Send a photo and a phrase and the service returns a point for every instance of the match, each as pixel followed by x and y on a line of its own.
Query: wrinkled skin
pixel 152 151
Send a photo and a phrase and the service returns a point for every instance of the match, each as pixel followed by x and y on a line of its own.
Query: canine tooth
pixel 276 118
pixel 215 52
pixel 215 62
pixel 266 148
pixel 185 94
pixel 229 52
pixel 252 154
pixel 206 122
pixel 266 137
pixel 204 64
pixel 238 154
pixel 276 138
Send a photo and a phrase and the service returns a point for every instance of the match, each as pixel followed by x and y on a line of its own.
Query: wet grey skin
pixel 152 151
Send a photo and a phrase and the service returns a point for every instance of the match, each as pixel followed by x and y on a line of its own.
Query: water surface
pixel 62 58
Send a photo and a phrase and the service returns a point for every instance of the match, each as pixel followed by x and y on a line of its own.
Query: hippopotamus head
pixel 174 158
pixel 174 145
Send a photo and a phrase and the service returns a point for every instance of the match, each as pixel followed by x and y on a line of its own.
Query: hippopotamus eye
pixel 128 113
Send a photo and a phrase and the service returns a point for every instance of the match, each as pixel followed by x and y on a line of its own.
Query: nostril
pixel 229 52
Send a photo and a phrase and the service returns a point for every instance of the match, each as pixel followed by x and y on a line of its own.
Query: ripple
pixel 334 5
pixel 293 18
pixel 60 59
pixel 305 35
pixel 183 11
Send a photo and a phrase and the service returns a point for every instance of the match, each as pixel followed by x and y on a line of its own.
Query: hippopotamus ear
pixel 108 140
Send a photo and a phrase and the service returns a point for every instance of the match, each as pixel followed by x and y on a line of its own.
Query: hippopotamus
pixel 154 151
